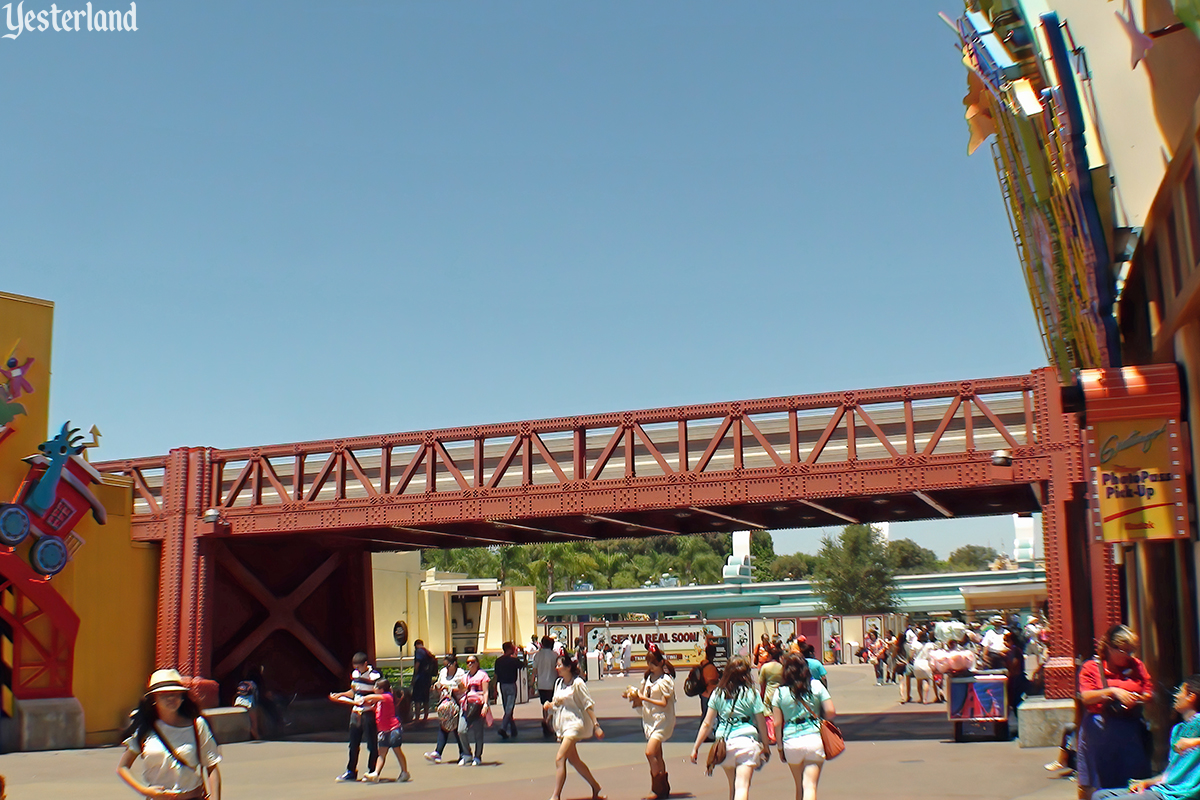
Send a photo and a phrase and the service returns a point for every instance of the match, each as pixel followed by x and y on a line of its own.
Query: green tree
pixel 626 579
pixel 608 566
pixel 509 559
pixel 909 558
pixel 697 561
pixel 796 566
pixel 971 557
pixel 438 558
pixel 854 574
pixel 534 573
pixel 477 561
pixel 651 566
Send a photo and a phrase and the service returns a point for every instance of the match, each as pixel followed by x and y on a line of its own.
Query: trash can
pixel 522 685
pixel 593 665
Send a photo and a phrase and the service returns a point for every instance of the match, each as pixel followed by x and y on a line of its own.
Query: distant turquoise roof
pixel 942 591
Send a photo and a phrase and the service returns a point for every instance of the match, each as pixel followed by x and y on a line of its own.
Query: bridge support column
pixel 184 636
pixel 1065 540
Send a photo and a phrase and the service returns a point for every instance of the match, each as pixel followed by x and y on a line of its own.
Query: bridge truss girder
pixel 891 454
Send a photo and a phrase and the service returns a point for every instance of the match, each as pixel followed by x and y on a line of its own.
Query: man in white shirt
pixel 626 655
pixel 994 648
pixel 910 641
pixel 545 663
pixel 362 719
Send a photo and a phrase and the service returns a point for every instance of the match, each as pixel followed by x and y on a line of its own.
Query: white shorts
pixel 742 750
pixel 806 749
pixel 574 730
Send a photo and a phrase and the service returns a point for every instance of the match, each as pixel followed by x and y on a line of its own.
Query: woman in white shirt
pixel 574 716
pixel 922 670
pixel 655 698
pixel 176 750
pixel 451 686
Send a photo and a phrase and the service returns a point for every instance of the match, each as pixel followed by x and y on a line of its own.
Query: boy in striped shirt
pixel 362 720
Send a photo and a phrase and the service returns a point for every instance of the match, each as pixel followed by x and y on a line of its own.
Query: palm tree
pixel 439 558
pixel 535 574
pixel 651 566
pixel 478 562
pixel 608 565
pixel 698 561
pixel 569 561
pixel 509 559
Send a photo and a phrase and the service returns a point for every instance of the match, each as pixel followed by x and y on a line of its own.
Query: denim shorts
pixel 390 739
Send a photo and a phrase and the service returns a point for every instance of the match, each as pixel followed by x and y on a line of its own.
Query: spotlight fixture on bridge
pixel 211 516
pixel 1002 458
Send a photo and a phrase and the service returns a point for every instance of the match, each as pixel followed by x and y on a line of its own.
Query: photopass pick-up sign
pixel 1138 479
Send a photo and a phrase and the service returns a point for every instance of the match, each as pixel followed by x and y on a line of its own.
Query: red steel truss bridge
pixel 252 535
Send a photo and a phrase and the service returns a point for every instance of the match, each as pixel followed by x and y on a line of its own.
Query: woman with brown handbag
pixel 735 710
pixel 800 705
pixel 178 753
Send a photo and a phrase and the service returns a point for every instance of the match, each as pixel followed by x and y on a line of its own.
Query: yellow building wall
pixel 436 618
pixel 525 604
pixel 396 589
pixel 430 615
pixel 494 628
pixel 26 328
pixel 112 584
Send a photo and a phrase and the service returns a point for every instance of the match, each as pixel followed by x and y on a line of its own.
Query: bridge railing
pixel 899 426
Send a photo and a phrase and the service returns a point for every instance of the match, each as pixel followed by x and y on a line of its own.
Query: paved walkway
pixel 894 752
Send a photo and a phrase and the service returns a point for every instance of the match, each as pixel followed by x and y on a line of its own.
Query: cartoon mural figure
pixel 13 386
pixel 15 378
pixel 50 501
pixel 8 409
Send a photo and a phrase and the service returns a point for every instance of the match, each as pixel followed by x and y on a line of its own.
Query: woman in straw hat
pixel 178 753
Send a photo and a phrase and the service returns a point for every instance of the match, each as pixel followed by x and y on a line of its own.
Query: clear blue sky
pixel 268 222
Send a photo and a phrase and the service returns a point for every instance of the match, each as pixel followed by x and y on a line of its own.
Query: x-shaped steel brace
pixel 281 611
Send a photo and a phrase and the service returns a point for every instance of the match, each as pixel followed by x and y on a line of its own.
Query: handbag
pixel 832 740
pixel 448 714
pixel 200 768
pixel 717 753
pixel 1112 708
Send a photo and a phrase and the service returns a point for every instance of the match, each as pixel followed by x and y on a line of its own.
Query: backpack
pixel 447 711
pixel 693 684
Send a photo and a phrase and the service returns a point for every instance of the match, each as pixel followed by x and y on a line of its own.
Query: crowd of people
pixel 925 653
pixel 777 698
pixel 746 707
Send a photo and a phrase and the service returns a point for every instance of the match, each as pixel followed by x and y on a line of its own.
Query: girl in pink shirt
pixel 391 733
